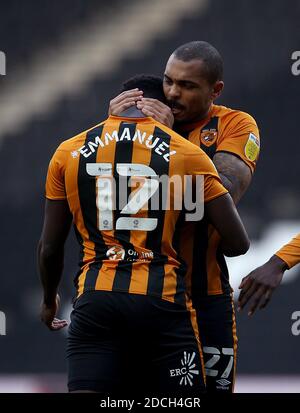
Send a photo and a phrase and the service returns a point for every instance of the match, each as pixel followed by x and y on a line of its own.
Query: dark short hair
pixel 151 85
pixel 209 55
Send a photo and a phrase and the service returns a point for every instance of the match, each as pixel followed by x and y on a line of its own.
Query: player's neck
pixel 132 112
pixel 191 124
pixel 206 114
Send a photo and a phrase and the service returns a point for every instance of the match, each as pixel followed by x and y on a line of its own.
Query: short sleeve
pixel 241 137
pixel 55 182
pixel 290 253
pixel 213 188
pixel 198 163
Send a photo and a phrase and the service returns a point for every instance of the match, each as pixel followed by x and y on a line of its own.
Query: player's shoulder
pixel 75 142
pixel 184 145
pixel 233 115
pixel 194 157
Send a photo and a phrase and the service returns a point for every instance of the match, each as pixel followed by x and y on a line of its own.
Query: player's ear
pixel 217 89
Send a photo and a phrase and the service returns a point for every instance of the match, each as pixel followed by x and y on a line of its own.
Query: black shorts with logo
pixel 133 344
pixel 217 330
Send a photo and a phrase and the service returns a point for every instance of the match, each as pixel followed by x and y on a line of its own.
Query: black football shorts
pixel 217 330
pixel 120 343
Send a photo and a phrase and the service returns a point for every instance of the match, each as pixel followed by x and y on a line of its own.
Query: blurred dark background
pixel 256 39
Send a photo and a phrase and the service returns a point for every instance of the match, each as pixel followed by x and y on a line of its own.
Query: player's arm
pixel 258 286
pixel 57 222
pixel 223 215
pixel 234 173
pixel 219 207
pixel 237 153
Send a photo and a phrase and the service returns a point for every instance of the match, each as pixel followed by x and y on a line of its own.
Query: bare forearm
pixel 234 187
pixel 231 187
pixel 278 264
pixel 50 263
pixel 234 173
pixel 225 218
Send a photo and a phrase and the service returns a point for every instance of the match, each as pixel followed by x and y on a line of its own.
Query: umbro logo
pixel 223 382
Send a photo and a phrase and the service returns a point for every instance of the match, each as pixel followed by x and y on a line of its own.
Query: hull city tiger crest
pixel 208 136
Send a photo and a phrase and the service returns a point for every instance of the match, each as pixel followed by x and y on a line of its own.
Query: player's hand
pixel 157 110
pixel 124 101
pixel 258 286
pixel 48 312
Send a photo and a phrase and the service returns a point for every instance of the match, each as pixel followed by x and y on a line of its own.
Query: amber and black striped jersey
pixel 223 130
pixel 290 252
pixel 109 176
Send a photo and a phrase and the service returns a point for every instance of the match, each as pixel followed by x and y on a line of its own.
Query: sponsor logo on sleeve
pixel 252 147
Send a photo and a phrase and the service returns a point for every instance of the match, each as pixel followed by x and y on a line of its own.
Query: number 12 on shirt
pixel 105 195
